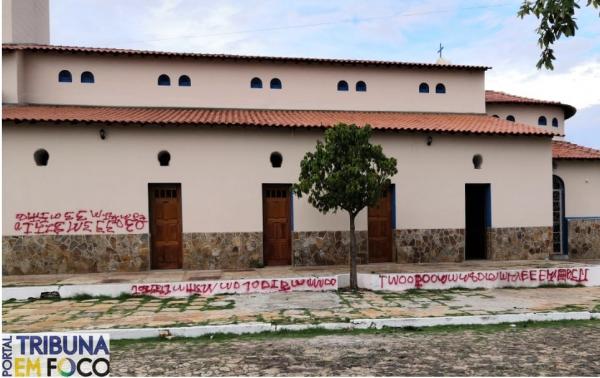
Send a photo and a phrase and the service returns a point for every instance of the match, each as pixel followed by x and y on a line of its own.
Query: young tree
pixel 345 172
pixel 557 19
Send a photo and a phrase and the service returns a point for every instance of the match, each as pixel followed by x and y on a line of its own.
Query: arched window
pixel 342 85
pixel 477 161
pixel 424 88
pixel 510 118
pixel 558 216
pixel 164 80
pixel 185 81
pixel 275 83
pixel 496 116
pixel 256 83
pixel 164 157
pixel 41 157
pixel 440 88
pixel 542 121
pixel 361 86
pixel 554 122
pixel 64 76
pixel 87 77
pixel 276 159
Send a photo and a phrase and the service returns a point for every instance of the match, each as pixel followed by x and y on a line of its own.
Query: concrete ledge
pixel 489 279
pixel 250 328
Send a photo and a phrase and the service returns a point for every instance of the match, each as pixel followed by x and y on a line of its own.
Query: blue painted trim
pixel 488 206
pixel 393 194
pixel 292 211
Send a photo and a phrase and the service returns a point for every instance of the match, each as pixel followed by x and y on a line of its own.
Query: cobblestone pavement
pixel 285 308
pixel 562 349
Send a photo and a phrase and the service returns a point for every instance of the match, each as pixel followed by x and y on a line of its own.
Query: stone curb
pixel 258 327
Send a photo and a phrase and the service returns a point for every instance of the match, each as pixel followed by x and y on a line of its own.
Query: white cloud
pixel 578 86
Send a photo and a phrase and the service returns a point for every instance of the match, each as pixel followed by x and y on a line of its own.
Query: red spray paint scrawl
pixel 78 222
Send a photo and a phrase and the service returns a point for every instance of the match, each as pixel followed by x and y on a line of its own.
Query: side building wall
pixel 582 206
pixel 221 172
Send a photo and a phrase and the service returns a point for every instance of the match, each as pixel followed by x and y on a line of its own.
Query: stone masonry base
pixel 244 250
pixel 584 238
pixel 44 254
pixel 519 243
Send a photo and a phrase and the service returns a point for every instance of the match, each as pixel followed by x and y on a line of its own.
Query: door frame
pixel 391 191
pixel 288 187
pixel 152 186
pixel 487 218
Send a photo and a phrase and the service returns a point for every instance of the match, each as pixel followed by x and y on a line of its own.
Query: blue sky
pixel 485 32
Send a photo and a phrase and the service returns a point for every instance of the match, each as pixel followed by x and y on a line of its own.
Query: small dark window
pixel 87 77
pixel 554 122
pixel 342 85
pixel 542 121
pixel 256 83
pixel 64 76
pixel 276 159
pixel 41 157
pixel 361 86
pixel 440 88
pixel 496 116
pixel 164 157
pixel 510 118
pixel 275 83
pixel 185 81
pixel 424 88
pixel 164 80
pixel 477 161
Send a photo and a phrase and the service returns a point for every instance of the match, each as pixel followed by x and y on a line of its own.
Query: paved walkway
pixel 155 276
pixel 285 308
pixel 554 350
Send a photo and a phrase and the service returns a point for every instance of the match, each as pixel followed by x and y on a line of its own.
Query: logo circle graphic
pixel 66 373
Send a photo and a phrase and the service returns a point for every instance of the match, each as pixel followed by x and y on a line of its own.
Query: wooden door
pixel 165 226
pixel 277 225
pixel 380 228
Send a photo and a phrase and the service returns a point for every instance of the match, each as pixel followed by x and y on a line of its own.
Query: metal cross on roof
pixel 440 50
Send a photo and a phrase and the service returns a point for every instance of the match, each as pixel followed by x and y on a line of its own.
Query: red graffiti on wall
pixel 236 287
pixel 78 222
pixel 553 275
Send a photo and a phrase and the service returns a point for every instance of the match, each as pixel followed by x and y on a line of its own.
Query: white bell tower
pixel 26 21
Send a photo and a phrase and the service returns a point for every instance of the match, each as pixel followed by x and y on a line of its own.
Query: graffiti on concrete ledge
pixel 525 277
pixel 78 222
pixel 246 286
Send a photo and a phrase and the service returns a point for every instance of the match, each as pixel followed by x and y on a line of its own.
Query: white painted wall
pixel 529 114
pixel 26 21
pixel 132 81
pixel 582 187
pixel 221 171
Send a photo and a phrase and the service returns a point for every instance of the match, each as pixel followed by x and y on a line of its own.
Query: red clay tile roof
pixel 102 50
pixel 501 97
pixel 566 150
pixel 427 122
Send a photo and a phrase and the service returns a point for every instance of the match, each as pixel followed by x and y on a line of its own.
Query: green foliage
pixel 345 171
pixel 557 18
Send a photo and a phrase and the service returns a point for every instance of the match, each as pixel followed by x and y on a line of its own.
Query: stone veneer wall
pixel 327 247
pixel 519 243
pixel 429 245
pixel 51 254
pixel 584 238
pixel 222 250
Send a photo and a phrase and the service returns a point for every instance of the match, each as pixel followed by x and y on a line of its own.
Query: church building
pixel 129 160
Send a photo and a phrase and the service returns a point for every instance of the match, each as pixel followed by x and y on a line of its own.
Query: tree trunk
pixel 353 275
